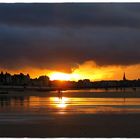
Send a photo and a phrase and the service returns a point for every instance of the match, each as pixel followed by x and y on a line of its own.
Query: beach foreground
pixel 38 115
pixel 115 125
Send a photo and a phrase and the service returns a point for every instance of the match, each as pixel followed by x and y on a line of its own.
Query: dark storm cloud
pixel 58 36
pixel 71 14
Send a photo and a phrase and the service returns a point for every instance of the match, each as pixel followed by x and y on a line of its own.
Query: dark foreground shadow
pixel 77 126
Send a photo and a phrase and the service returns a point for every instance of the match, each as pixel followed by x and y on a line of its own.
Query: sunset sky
pixel 71 41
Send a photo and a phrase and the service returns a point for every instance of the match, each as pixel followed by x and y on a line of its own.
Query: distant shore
pixel 47 91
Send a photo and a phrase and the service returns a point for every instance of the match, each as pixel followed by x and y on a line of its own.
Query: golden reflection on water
pixel 60 102
pixel 61 105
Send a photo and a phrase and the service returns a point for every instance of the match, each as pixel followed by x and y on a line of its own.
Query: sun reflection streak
pixel 60 102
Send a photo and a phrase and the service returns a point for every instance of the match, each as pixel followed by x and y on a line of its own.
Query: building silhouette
pixel 22 80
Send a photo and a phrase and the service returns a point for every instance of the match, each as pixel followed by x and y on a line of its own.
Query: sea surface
pixel 17 108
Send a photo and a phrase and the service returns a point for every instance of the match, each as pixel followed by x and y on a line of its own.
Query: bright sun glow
pixel 60 76
pixel 64 76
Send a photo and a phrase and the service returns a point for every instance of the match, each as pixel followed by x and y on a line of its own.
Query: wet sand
pixel 78 114
pixel 97 125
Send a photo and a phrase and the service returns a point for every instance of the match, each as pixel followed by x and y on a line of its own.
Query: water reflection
pixel 44 105
pixel 60 102
pixel 11 101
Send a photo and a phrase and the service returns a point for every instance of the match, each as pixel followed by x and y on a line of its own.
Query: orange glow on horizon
pixel 87 70
pixel 90 70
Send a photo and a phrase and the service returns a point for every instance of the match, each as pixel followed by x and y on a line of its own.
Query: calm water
pixel 17 108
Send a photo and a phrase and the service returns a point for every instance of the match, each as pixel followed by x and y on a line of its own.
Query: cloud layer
pixel 61 36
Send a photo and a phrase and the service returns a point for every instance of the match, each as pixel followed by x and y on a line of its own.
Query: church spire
pixel 124 77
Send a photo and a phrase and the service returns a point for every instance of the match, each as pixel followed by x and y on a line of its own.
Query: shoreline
pixel 45 88
pixel 91 93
